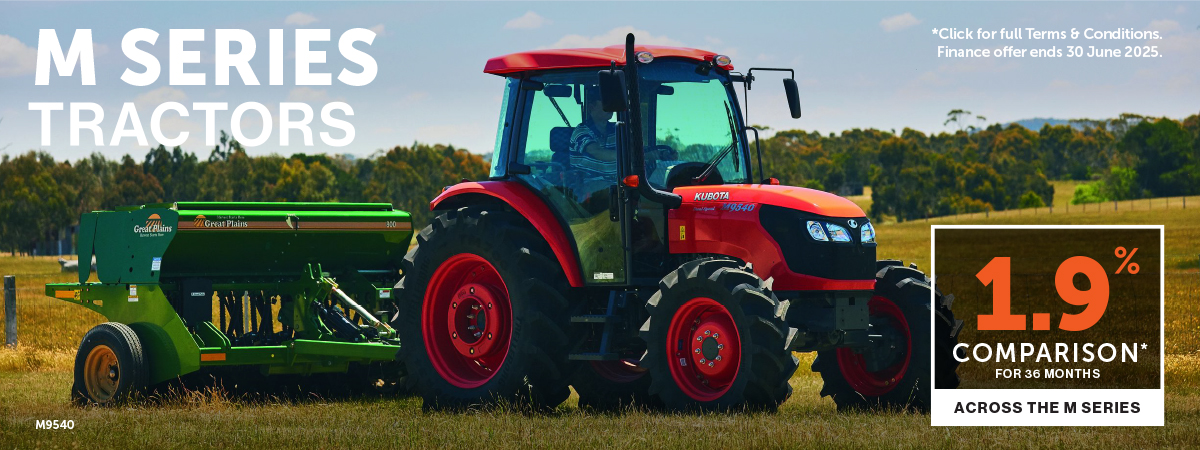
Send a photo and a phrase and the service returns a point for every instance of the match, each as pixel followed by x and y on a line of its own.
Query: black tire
pixel 909 291
pixel 535 370
pixel 110 366
pixel 603 387
pixel 764 363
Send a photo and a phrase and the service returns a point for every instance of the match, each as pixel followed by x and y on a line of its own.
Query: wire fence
pixel 1145 204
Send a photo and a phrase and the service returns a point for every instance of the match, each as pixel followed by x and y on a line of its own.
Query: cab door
pixel 584 195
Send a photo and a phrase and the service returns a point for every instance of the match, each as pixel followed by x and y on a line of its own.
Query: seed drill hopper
pixel 288 288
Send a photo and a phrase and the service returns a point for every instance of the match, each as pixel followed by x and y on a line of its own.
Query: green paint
pixel 146 254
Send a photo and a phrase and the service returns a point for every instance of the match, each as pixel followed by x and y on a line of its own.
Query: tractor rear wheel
pixel 716 339
pixel 482 314
pixel 893 373
pixel 110 366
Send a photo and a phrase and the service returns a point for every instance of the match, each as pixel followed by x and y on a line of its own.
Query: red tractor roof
pixel 585 57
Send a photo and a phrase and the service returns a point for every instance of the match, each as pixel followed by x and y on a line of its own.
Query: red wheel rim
pixel 704 349
pixel 854 366
pixel 466 320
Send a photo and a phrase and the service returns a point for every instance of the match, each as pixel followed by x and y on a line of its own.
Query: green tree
pixel 1031 200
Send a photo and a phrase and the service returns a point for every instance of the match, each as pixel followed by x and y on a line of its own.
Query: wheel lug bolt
pixel 697 351
pixel 702 360
pixel 720 346
pixel 698 338
pixel 707 332
pixel 489 306
pixel 472 351
pixel 718 357
pixel 716 335
pixel 489 335
pixel 454 304
pixel 454 335
pixel 710 364
pixel 472 290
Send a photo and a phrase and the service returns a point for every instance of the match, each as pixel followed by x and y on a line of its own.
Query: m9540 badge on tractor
pixel 603 253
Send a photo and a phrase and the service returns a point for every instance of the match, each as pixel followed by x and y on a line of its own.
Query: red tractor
pixel 623 247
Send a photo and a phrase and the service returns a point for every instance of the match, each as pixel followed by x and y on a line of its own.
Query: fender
pixel 533 209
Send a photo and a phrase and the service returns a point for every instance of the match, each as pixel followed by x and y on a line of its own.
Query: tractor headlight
pixel 838 233
pixel 816 231
pixel 868 233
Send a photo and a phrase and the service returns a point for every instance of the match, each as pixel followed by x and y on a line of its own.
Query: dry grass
pixel 35 380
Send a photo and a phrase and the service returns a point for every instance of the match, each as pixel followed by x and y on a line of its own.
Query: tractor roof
pixel 584 57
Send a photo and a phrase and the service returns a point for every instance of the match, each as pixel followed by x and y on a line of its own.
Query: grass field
pixel 35 378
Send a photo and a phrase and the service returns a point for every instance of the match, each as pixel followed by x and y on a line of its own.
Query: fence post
pixel 10 310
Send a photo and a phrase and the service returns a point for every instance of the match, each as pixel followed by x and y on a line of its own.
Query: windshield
pixel 690 120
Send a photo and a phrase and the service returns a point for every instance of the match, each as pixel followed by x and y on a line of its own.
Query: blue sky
pixel 859 64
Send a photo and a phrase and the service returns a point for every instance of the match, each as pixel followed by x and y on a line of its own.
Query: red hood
pixel 803 199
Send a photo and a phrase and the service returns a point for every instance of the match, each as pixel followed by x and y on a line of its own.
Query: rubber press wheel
pixel 110 366
pixel 482 315
pixel 893 373
pixel 716 339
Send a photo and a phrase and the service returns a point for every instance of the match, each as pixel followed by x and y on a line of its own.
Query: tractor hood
pixel 798 198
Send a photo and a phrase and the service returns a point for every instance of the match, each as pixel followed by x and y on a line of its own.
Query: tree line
pixel 912 175
pixel 40 195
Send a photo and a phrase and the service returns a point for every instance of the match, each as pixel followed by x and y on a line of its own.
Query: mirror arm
pixel 757 149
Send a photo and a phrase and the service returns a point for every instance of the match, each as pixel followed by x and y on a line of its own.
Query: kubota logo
pixel 199 221
pixel 706 196
pixel 153 225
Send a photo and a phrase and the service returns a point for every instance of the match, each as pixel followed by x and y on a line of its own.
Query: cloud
pixel 615 36
pixel 150 100
pixel 16 58
pixel 378 29
pixel 299 18
pixel 1164 26
pixel 897 23
pixel 529 21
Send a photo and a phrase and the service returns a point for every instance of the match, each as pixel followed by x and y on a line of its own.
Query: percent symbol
pixel 1133 267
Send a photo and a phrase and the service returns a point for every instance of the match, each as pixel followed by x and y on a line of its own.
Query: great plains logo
pixel 708 196
pixel 227 222
pixel 153 227
pixel 852 223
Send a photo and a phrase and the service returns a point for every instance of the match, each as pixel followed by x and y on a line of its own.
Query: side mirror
pixel 793 96
pixel 612 90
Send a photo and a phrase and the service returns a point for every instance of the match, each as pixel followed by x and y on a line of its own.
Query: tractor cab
pixel 608 170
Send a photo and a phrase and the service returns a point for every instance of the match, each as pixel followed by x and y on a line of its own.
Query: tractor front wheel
pixel 110 366
pixel 716 339
pixel 893 372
